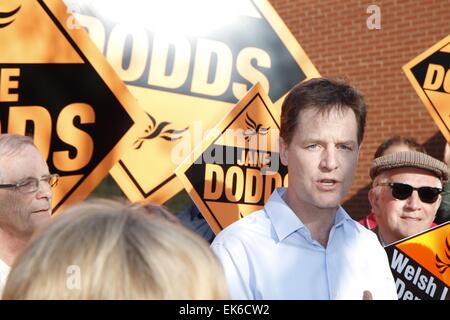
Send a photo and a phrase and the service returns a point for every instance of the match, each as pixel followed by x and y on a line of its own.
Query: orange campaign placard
pixel 235 169
pixel 57 87
pixel 429 73
pixel 421 265
pixel 187 63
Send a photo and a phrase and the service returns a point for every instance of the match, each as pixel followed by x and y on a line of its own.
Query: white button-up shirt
pixel 4 272
pixel 270 255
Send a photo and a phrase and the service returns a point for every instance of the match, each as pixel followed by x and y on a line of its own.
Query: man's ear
pixel 283 151
pixel 373 199
pixel 359 149
pixel 439 201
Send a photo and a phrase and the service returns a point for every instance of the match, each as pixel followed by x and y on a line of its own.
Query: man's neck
pixel 318 221
pixel 11 245
pixel 386 238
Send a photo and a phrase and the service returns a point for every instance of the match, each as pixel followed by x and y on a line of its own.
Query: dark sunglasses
pixel 402 191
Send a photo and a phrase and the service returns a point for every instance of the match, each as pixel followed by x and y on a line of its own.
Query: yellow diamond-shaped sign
pixel 188 63
pixel 57 87
pixel 429 73
pixel 235 169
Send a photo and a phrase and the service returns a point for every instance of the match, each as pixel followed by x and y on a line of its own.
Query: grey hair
pixel 380 178
pixel 13 143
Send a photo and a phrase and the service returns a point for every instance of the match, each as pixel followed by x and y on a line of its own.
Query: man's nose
pixel 329 159
pixel 413 202
pixel 44 190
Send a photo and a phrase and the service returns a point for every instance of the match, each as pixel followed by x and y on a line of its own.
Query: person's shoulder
pixel 365 235
pixel 256 223
pixel 365 242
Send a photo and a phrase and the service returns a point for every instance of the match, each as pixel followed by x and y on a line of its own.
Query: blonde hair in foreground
pixel 121 253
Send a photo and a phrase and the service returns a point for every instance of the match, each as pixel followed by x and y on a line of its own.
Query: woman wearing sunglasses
pixel 405 194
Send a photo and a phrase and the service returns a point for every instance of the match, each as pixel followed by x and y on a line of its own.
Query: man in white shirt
pixel 25 196
pixel 303 245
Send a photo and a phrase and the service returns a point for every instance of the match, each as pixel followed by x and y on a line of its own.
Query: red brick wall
pixel 335 36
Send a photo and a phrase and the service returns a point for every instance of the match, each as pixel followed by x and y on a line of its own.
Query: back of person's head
pixel 324 95
pixel 402 144
pixel 117 252
pixel 154 209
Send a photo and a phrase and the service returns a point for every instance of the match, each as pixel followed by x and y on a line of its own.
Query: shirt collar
pixel 286 222
pixel 342 218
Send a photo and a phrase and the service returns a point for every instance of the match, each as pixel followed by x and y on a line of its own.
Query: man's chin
pixel 411 231
pixel 40 215
pixel 39 219
pixel 328 202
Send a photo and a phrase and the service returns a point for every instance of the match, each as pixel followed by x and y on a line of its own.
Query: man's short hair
pixel 410 159
pixel 12 143
pixel 398 140
pixel 323 95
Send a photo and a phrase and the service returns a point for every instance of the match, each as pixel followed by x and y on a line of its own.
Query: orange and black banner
pixel 429 73
pixel 235 169
pixel 187 63
pixel 57 87
pixel 421 265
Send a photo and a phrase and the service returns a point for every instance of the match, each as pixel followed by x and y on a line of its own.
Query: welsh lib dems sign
pixel 429 73
pixel 188 63
pixel 421 265
pixel 58 88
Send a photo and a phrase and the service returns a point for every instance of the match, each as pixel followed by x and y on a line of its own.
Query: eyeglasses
pixel 31 184
pixel 402 191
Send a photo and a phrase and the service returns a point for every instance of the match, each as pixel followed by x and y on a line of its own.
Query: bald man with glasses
pixel 25 196
pixel 405 194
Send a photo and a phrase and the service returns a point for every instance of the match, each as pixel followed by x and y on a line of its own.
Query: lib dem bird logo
pixel 6 17
pixel 440 262
pixel 155 130
pixel 254 129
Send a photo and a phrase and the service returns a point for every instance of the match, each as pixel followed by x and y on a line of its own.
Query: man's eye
pixel 27 183
pixel 312 146
pixel 346 147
